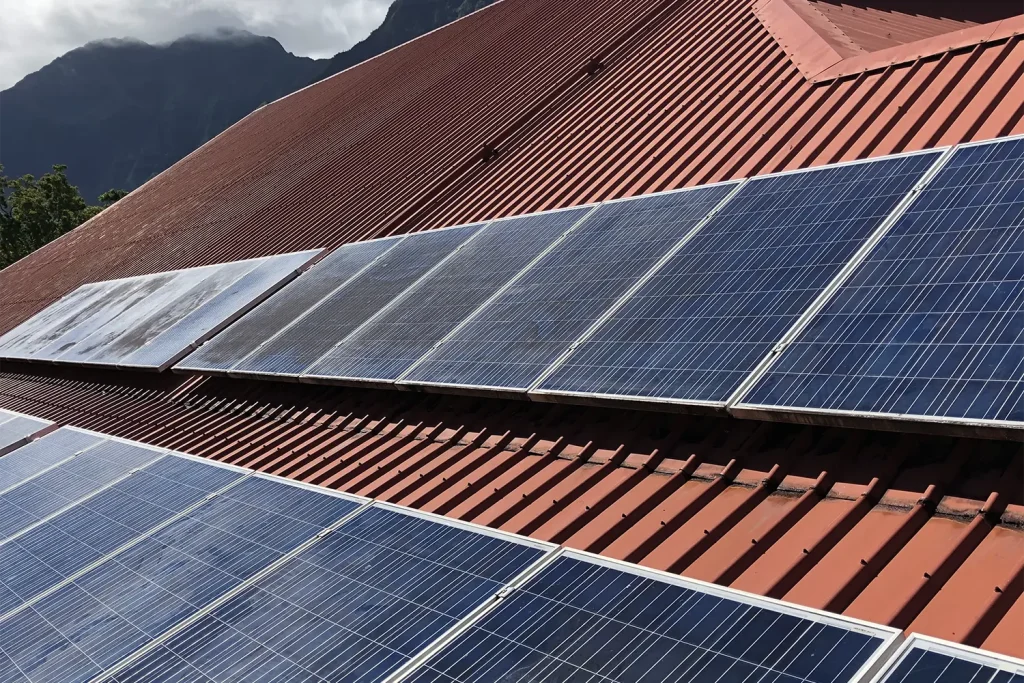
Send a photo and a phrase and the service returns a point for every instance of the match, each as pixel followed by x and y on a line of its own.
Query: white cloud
pixel 35 32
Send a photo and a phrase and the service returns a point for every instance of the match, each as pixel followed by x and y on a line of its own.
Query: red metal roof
pixel 920 532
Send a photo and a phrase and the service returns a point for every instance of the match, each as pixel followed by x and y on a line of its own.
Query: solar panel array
pixel 160 566
pixel 149 321
pixel 16 429
pixel 932 322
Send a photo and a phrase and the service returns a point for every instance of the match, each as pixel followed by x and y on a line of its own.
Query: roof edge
pixel 822 52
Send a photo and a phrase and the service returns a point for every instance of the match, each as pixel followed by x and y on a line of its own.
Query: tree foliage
pixel 35 211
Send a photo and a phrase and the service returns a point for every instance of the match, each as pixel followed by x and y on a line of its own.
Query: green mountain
pixel 118 112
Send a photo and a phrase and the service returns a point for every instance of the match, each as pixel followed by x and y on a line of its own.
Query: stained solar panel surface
pixel 282 309
pixel 353 607
pixel 386 347
pixel 341 312
pixel 147 321
pixel 924 662
pixel 932 322
pixel 77 631
pixel 510 342
pixel 581 621
pixel 698 328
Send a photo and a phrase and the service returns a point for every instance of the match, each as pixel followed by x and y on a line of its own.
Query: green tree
pixel 35 211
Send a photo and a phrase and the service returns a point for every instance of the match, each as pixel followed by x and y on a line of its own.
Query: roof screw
pixel 587 506
pixel 998 589
pixel 707 533
pixel 488 152
pixel 623 515
pixel 864 562
pixel 595 66
pixel 806 551
pixel 927 575
pixel 753 541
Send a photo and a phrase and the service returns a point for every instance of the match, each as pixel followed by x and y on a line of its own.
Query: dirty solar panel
pixel 344 310
pixel 702 324
pixel 25 340
pixel 40 455
pixel 581 621
pixel 511 341
pixel 389 345
pixel 931 324
pixel 353 607
pixel 265 278
pixel 85 626
pixel 246 335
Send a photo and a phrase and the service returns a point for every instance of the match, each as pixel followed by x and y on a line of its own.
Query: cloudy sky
pixel 37 31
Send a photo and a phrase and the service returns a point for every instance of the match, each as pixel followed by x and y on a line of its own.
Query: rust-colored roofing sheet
pixel 923 533
pixel 692 91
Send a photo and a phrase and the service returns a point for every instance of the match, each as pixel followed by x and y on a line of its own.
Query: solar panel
pixel 41 455
pixel 585 618
pixel 696 329
pixel 426 313
pixel 148 321
pixel 15 429
pixel 54 550
pixel 928 660
pixel 78 630
pixel 26 504
pixel 511 341
pixel 930 326
pixel 344 310
pixel 249 333
pixel 353 607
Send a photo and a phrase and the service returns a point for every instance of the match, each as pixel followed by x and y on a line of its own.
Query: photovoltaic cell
pixel 586 622
pixel 341 312
pixel 928 661
pixel 511 341
pixel 701 325
pixel 49 553
pixel 80 629
pixel 243 337
pixel 28 338
pixel 353 607
pixel 931 324
pixel 386 347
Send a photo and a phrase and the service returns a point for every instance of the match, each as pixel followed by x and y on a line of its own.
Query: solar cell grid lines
pixel 41 455
pixel 696 329
pixel 353 607
pixel 148 321
pixel 931 324
pixel 391 343
pixel 133 596
pixel 927 660
pixel 511 341
pixel 362 297
pixel 285 307
pixel 16 429
pixel 587 619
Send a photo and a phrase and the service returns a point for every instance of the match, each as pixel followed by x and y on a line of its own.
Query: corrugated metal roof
pixel 692 92
pixel 923 533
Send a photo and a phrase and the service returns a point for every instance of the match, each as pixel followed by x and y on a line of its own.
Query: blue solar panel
pixel 232 345
pixel 926 660
pixel 16 429
pixel 578 620
pixel 83 627
pixel 353 607
pixel 63 485
pixel 511 341
pixel 38 456
pixel 931 324
pixel 67 543
pixel 385 348
pixel 701 325
pixel 341 312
